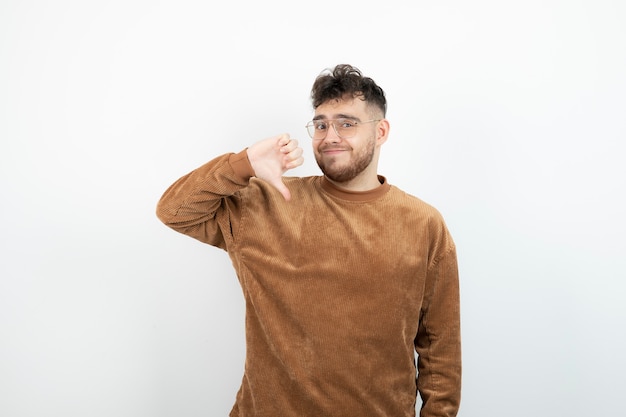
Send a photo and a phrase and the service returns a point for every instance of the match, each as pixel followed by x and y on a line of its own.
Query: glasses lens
pixel 317 129
pixel 346 128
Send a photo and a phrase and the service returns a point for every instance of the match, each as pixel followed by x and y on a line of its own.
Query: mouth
pixel 332 151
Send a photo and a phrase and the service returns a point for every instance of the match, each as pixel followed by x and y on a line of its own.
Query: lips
pixel 332 150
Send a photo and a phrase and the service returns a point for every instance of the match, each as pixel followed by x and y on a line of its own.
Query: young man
pixel 344 276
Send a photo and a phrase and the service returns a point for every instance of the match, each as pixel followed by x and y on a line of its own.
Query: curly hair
pixel 346 79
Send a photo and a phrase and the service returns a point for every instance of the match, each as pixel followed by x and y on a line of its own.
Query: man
pixel 344 276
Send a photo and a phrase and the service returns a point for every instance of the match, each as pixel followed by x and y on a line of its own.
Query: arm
pixel 198 203
pixel 438 341
pixel 204 204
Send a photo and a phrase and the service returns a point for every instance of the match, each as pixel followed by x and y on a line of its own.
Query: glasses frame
pixel 332 122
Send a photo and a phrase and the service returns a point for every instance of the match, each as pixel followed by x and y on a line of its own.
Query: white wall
pixel 507 116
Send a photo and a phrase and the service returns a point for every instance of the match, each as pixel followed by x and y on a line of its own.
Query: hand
pixel 272 157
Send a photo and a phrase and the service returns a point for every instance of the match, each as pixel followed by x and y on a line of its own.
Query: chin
pixel 340 176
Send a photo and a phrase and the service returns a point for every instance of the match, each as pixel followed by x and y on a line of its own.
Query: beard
pixel 348 172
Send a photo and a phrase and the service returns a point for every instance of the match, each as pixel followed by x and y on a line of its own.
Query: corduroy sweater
pixel 341 289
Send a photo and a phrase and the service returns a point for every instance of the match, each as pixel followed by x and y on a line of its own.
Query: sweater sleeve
pixel 438 341
pixel 204 203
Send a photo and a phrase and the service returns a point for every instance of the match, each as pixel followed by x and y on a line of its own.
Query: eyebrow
pixel 337 116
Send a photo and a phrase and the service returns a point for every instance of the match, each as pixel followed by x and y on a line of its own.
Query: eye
pixel 347 123
pixel 320 125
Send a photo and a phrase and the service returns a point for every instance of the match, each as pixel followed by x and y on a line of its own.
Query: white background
pixel 508 116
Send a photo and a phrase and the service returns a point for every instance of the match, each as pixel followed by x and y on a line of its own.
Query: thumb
pixel 282 188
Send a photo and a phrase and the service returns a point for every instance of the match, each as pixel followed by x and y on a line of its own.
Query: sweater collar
pixel 344 194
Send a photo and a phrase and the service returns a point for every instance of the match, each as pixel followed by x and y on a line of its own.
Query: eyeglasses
pixel 344 128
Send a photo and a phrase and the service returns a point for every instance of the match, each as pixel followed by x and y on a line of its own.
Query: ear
pixel 382 132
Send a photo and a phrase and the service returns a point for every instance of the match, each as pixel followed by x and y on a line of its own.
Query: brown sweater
pixel 341 289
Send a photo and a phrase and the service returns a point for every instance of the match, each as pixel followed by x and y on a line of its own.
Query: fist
pixel 272 157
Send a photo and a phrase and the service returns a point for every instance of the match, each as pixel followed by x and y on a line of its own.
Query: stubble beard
pixel 342 174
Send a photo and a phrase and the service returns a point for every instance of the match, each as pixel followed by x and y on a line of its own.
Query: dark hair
pixel 346 79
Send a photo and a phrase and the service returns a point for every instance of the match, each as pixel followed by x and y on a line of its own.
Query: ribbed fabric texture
pixel 341 288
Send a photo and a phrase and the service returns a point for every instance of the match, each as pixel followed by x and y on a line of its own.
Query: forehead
pixel 342 107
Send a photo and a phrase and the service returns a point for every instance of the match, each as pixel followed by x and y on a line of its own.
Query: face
pixel 345 159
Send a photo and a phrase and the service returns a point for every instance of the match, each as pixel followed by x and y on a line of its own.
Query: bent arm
pixel 202 203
